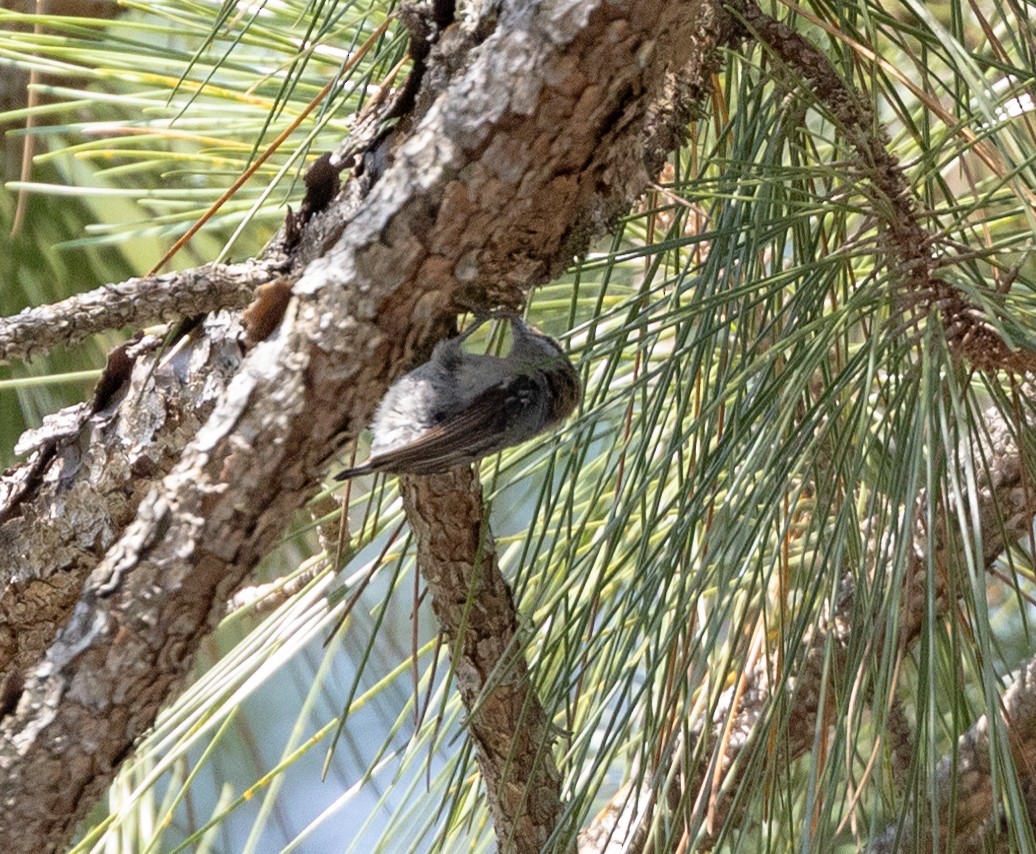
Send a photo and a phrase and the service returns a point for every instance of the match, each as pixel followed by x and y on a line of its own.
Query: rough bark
pixel 476 613
pixel 135 302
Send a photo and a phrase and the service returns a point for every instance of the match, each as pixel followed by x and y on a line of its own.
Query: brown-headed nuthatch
pixel 459 407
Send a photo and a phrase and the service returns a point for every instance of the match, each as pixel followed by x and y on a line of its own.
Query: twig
pixel 894 204
pixel 135 303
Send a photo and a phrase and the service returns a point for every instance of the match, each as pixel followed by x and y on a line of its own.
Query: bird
pixel 459 407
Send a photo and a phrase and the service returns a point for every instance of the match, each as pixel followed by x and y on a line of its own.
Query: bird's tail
pixel 355 471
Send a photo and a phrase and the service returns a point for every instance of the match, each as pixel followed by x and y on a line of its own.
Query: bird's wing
pixel 485 425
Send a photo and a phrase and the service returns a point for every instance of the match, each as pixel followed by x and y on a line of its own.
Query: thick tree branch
pixel 549 127
pixel 89 468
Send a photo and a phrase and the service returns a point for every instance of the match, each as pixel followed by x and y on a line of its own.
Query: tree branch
pixel 135 303
pixel 548 128
pixel 911 247
pixel 457 559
